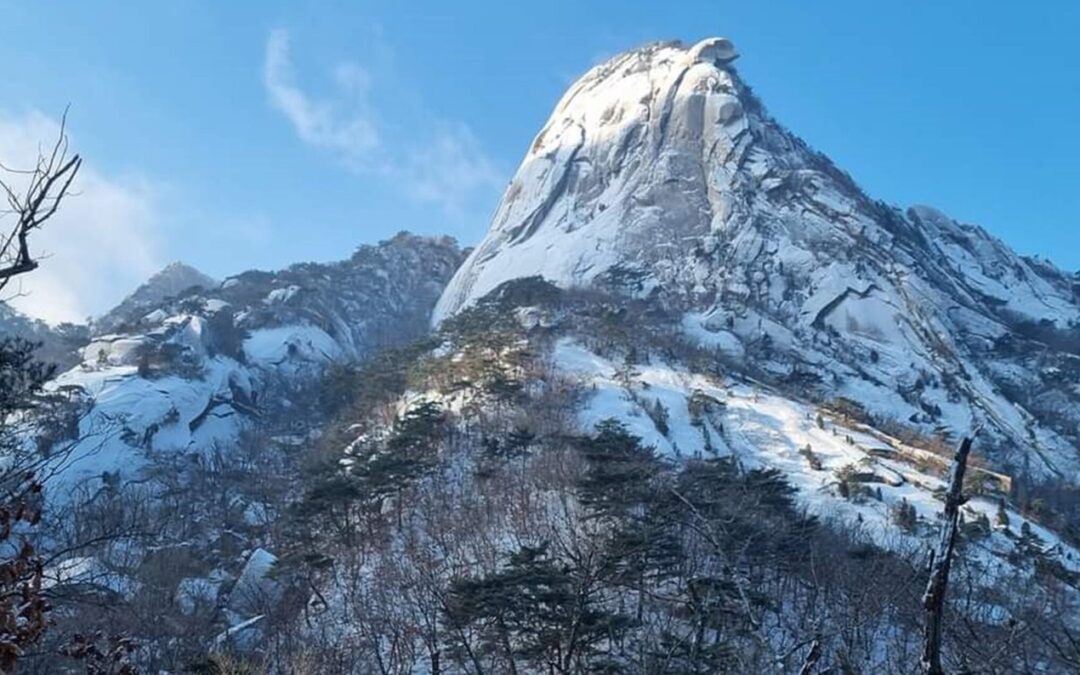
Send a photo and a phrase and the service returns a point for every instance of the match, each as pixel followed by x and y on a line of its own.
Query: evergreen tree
pixel 408 453
pixel 1001 518
pixel 618 470
pixel 905 516
pixel 535 610
pixel 380 471
pixel 724 509
pixel 660 417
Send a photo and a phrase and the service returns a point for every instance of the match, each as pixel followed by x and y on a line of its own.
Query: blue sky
pixel 236 134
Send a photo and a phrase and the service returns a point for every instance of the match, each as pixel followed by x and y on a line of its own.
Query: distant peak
pixel 177 267
pixel 171 280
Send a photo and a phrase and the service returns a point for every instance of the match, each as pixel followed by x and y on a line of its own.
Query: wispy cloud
pixel 104 239
pixel 340 124
pixel 440 163
pixel 449 169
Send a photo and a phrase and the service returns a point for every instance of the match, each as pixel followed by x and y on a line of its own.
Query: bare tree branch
pixel 812 658
pixel 48 183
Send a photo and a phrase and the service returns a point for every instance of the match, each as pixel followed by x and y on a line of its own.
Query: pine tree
pixel 660 417
pixel 618 470
pixel 535 610
pixel 905 516
pixel 1001 519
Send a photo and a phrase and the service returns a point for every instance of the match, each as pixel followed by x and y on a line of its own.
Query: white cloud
pixel 448 168
pixel 339 124
pixel 102 242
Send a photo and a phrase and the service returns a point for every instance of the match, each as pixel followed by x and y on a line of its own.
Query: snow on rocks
pixel 195 592
pixel 114 350
pixel 814 449
pixel 701 330
pixel 282 295
pixel 189 376
pixel 255 590
pixel 243 636
pixel 276 346
pixel 661 161
pixel 88 574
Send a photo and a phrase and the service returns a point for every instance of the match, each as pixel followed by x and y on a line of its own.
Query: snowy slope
pixel 709 417
pixel 187 376
pixel 660 173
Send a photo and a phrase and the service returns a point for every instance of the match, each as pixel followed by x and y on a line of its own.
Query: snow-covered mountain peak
pixel 660 174
pixel 170 281
pixel 640 158
pixel 178 276
pixel 661 161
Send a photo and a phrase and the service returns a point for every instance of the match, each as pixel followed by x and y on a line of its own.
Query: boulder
pixel 713 50
pixel 255 591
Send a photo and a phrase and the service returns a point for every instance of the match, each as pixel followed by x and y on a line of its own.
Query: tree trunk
pixel 941 560
pixel 812 658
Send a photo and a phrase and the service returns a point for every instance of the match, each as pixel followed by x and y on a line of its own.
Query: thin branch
pixel 50 181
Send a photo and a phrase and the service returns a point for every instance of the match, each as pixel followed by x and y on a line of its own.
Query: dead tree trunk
pixel 812 658
pixel 933 599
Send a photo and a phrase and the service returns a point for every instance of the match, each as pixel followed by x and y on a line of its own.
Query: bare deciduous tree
pixel 23 604
pixel 35 202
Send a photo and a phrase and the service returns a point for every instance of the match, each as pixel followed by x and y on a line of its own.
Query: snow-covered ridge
pixel 659 172
pixel 187 375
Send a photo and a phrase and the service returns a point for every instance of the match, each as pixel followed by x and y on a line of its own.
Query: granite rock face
pixel 660 171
